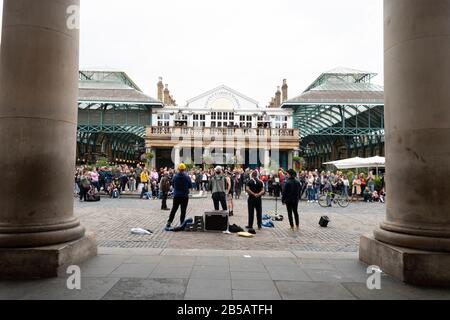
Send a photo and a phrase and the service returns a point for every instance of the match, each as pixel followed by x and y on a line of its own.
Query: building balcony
pixel 171 136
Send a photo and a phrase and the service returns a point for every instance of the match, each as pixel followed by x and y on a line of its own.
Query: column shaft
pixel 417 70
pixel 38 123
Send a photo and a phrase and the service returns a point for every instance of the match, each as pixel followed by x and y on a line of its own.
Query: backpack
pixel 115 194
pixel 235 229
pixel 85 183
pixel 166 185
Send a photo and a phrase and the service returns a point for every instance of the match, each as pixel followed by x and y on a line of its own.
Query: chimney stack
pixel 284 90
pixel 278 98
pixel 161 90
pixel 272 103
pixel 167 96
pixel 172 101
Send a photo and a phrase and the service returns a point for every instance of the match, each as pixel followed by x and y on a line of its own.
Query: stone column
pixel 176 156
pixel 266 158
pixel 413 243
pixel 291 159
pixel 153 161
pixel 240 156
pixel 38 123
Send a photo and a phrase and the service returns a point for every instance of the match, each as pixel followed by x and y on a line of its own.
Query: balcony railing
pixel 220 132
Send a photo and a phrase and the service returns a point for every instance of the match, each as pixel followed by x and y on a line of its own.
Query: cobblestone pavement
pixel 112 220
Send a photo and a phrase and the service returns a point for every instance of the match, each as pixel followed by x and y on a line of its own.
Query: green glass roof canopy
pixel 112 107
pixel 340 103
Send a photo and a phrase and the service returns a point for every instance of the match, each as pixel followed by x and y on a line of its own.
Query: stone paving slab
pixel 291 290
pixel 136 270
pixel 269 295
pixel 123 276
pixel 208 289
pixel 250 275
pixel 288 274
pixel 56 289
pixel 211 272
pixel 148 289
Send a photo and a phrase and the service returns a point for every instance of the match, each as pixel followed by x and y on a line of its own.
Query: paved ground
pixel 314 264
pixel 119 274
pixel 112 220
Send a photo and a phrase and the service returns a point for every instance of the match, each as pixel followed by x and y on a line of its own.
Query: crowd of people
pixel 225 184
pixel 153 184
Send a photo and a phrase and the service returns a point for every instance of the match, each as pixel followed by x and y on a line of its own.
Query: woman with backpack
pixel 85 185
pixel 164 186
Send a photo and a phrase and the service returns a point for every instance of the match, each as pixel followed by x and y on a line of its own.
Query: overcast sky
pixel 249 45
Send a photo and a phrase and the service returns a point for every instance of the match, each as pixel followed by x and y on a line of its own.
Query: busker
pixel 181 185
pixel 291 197
pixel 219 188
pixel 255 190
pixel 165 189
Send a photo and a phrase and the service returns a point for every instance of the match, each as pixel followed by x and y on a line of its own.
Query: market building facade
pixel 221 127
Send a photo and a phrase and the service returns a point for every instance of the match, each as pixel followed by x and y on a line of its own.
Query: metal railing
pixel 230 132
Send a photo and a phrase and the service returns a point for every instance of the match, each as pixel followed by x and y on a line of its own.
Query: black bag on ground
pixel 324 221
pixel 235 229
pixel 93 198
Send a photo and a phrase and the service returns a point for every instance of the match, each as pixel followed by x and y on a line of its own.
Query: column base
pixel 45 262
pixel 411 266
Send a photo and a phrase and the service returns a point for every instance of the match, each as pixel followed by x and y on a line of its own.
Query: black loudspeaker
pixel 324 221
pixel 199 224
pixel 216 221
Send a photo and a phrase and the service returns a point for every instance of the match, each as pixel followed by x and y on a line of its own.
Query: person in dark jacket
pixel 291 197
pixel 255 190
pixel 181 185
pixel 164 186
pixel 220 188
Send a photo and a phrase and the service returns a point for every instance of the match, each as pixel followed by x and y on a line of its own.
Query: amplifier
pixel 216 220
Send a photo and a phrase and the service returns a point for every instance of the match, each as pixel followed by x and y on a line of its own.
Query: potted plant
pixel 378 183
pixel 102 162
pixel 350 175
pixel 189 165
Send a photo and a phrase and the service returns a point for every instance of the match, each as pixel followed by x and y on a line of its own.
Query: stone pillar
pixel 176 156
pixel 240 156
pixel 413 243
pixel 290 159
pixel 266 161
pixel 153 161
pixel 38 123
